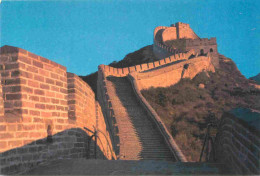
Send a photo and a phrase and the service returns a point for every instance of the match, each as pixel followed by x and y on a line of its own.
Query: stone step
pixel 139 136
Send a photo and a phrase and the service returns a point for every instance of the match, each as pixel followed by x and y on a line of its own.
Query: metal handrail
pixel 208 138
pixel 96 136
pixel 110 148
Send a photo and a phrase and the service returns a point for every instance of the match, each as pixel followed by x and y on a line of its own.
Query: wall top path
pixel 121 72
pixel 10 50
pixel 170 67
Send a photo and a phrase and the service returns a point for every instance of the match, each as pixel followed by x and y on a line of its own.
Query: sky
pixel 84 34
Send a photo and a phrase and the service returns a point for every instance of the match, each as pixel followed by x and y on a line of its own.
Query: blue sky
pixel 83 34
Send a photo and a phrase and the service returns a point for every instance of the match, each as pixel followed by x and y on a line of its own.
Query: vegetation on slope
pixel 143 55
pixel 256 78
pixel 186 108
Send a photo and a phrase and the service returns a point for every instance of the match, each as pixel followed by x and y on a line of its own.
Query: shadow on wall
pixel 68 144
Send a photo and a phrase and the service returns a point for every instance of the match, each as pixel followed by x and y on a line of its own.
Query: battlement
pixel 201 41
pixel 180 24
pixel 121 72
pixel 181 38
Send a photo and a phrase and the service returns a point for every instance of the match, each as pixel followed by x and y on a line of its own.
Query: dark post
pixel 95 144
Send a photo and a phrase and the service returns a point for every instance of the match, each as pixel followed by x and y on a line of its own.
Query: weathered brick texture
pixel 154 75
pixel 43 110
pixel 237 145
pixel 172 74
pixel 86 112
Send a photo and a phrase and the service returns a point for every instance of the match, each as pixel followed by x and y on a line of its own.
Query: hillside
pixel 187 107
pixel 143 55
pixel 256 78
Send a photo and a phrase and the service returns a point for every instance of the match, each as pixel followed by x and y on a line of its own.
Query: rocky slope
pixel 187 107
pixel 256 78
pixel 143 55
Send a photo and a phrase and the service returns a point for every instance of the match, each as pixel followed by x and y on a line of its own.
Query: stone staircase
pixel 139 137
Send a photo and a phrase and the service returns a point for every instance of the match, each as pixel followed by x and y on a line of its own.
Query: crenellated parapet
pixel 163 76
pixel 183 39
pixel 121 72
pixel 162 73
pixel 106 106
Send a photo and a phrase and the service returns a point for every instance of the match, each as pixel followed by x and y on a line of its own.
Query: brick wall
pixel 169 34
pixel 237 145
pixel 192 41
pixel 84 111
pixel 171 74
pixel 35 126
pixel 107 108
pixel 34 93
pixel 153 75
pixel 184 31
pixel 81 101
pixel 108 111
pixel 207 45
pixel 1 100
pixel 176 31
pixel 103 140
pixel 120 72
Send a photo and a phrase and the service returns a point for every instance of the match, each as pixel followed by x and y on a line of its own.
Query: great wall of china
pixel 44 109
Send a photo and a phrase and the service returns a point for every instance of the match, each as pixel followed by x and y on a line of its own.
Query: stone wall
pixel 104 141
pixel 120 72
pixel 169 33
pixel 176 31
pixel 81 101
pixel 205 46
pixel 84 111
pixel 34 125
pixel 105 101
pixel 183 31
pixel 237 145
pixel 172 74
pixel 157 34
pixel 162 51
pixel 1 100
pixel 174 148
pixel 106 106
pixel 162 73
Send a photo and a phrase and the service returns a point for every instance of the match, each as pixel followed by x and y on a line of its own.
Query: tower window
pixel 211 50
pixel 201 52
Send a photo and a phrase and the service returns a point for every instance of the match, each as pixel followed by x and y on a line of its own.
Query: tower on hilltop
pixel 179 37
